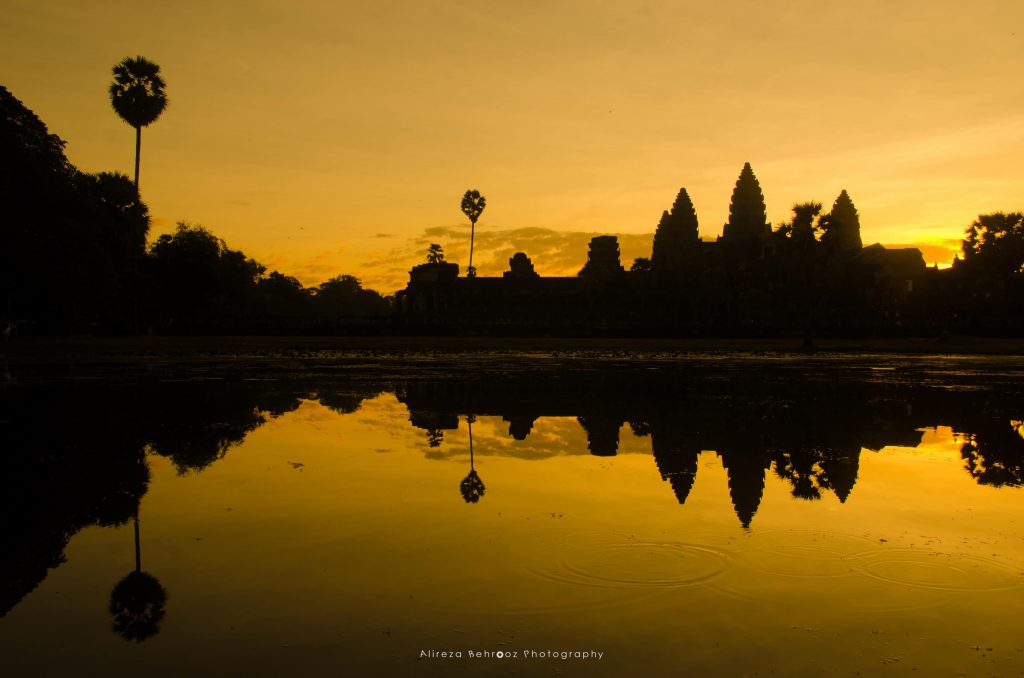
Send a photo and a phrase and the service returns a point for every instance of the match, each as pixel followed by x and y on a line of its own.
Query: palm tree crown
pixel 473 205
pixel 137 93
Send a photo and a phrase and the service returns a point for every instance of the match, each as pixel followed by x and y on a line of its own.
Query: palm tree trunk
pixel 138 153
pixel 470 423
pixel 138 548
pixel 472 233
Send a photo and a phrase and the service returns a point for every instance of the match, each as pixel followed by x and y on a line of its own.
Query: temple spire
pixel 747 213
pixel 843 225
pixel 676 234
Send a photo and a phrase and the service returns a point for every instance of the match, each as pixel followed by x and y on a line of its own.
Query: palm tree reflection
pixel 137 601
pixel 472 487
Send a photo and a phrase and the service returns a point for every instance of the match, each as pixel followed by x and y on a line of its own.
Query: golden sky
pixel 339 136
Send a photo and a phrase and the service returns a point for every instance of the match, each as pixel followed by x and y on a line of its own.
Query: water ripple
pixel 640 565
pixel 937 571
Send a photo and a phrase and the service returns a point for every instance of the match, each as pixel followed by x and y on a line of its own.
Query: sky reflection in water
pixel 328 528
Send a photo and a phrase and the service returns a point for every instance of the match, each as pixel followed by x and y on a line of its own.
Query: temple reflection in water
pixel 810 434
pixel 76 460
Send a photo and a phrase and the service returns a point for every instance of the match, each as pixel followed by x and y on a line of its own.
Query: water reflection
pixel 471 487
pixel 993 455
pixel 76 455
pixel 71 462
pixel 138 601
pixel 809 433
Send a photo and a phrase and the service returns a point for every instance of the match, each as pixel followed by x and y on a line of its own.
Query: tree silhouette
pixel 995 454
pixel 198 282
pixel 71 243
pixel 137 605
pixel 344 295
pixel 802 229
pixel 994 243
pixel 137 601
pixel 802 468
pixel 137 94
pixel 121 212
pixel 471 487
pixel 435 254
pixel 798 241
pixel 282 299
pixel 473 205
pixel 641 265
pixel 118 222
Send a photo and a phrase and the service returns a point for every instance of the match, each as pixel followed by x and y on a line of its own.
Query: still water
pixel 665 522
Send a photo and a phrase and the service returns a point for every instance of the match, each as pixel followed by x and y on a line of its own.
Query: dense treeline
pixel 74 258
pixel 985 290
pixel 197 283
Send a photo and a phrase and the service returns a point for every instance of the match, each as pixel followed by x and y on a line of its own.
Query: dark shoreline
pixel 957 362
pixel 183 346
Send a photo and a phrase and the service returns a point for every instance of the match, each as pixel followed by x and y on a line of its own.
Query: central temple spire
pixel 747 212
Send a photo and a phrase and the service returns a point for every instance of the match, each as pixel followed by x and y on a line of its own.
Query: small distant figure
pixel 8 328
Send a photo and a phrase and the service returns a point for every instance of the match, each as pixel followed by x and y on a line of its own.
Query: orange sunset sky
pixel 336 137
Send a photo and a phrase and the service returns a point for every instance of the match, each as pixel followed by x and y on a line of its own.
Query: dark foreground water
pixel 678 516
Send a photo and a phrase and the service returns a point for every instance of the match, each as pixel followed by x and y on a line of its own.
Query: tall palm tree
pixel 137 94
pixel 472 205
pixel 471 487
pixel 138 601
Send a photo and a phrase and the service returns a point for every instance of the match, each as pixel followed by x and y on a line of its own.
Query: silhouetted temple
pixel 750 279
pixel 809 434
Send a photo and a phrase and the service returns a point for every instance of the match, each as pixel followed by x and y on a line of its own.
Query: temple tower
pixel 843 225
pixel 603 258
pixel 676 235
pixel 747 213
pixel 675 458
pixel 520 267
pixel 745 470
